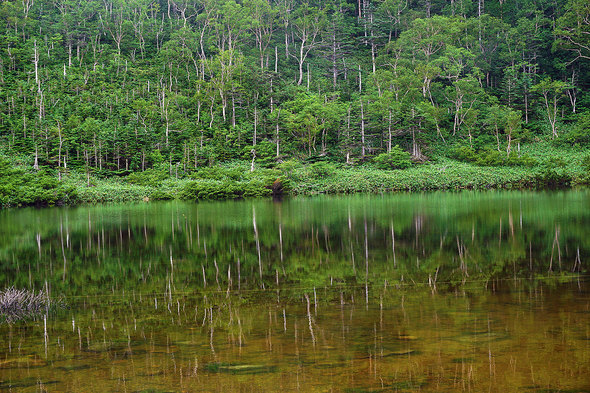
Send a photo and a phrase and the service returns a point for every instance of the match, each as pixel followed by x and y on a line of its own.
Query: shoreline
pixel 21 185
pixel 342 181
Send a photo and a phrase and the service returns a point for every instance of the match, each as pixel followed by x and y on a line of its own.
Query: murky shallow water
pixel 434 292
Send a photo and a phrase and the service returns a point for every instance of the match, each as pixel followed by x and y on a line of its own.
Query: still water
pixel 409 292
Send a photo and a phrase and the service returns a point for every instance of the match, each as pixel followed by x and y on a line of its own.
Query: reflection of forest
pixel 439 238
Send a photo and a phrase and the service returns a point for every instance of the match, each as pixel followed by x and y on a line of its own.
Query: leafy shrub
pixel 226 189
pixel 218 173
pixel 149 178
pixel 265 153
pixel 20 188
pixel 586 169
pixel 253 188
pixel 208 189
pixel 553 179
pixel 579 134
pixel 322 169
pixel 396 159
pixel 523 160
pixel 290 171
pixel 464 153
pixel 161 195
pixel 490 157
pixel 552 174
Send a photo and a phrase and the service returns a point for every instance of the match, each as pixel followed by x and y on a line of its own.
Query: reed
pixel 19 304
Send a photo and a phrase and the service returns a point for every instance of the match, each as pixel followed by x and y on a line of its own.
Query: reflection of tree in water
pixel 442 238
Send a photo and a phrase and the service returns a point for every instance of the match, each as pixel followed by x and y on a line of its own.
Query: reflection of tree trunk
pixel 366 265
pixel 310 320
pixel 393 244
pixel 257 244
pixel 555 242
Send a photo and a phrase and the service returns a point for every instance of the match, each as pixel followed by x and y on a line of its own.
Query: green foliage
pixel 579 134
pixel 208 189
pixel 215 189
pixel 229 183
pixel 464 153
pixel 322 169
pixel 396 159
pixel 161 195
pixel 254 188
pixel 490 157
pixel 149 178
pixel 184 90
pixel 585 164
pixel 265 153
pixel 21 188
pixel 552 174
pixel 219 173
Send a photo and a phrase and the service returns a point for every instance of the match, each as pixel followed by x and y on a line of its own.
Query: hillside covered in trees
pixel 117 88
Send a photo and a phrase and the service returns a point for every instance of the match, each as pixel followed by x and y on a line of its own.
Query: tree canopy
pixel 117 86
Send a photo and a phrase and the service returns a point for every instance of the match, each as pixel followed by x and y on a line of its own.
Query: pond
pixel 465 291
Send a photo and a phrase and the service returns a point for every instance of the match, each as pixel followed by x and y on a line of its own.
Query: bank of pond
pixel 539 168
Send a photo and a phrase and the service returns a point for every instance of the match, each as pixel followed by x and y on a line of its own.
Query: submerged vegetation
pixel 116 100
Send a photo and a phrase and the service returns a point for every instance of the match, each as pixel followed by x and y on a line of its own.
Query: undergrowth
pixel 539 165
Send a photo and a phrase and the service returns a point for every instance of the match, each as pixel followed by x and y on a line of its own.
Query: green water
pixel 411 292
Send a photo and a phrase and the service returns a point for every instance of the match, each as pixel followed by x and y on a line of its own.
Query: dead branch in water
pixel 19 304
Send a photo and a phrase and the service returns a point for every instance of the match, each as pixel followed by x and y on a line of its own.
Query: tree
pixel 303 119
pixel 307 25
pixel 573 29
pixel 513 121
pixel 262 25
pixel 463 95
pixel 551 91
pixel 495 118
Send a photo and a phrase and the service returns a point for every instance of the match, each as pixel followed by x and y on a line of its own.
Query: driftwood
pixel 19 304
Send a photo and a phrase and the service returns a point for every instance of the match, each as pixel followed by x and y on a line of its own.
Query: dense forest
pixel 112 87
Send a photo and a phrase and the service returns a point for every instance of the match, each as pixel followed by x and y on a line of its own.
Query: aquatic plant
pixel 18 304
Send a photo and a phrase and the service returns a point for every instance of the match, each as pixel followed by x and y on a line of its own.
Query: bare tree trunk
pixel 255 126
pixel 362 130
pixel 277 137
pixel 36 164
pixel 389 133
pixel 360 80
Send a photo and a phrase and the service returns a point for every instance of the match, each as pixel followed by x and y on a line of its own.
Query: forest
pixel 130 99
